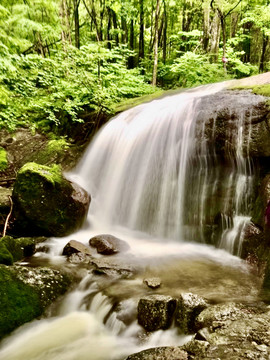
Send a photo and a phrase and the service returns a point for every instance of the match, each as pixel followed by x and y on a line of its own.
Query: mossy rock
pixel 19 302
pixel 16 249
pixel 45 203
pixel 26 292
pixel 3 159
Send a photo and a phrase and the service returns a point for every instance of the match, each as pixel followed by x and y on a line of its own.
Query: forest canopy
pixel 62 59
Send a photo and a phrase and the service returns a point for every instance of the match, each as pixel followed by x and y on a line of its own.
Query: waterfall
pixel 164 178
pixel 154 169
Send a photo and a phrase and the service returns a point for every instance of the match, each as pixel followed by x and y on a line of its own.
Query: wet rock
pixel 79 258
pixel 221 113
pixel 153 282
pixel 215 316
pixel 45 203
pixel 188 308
pixel 160 353
pixel 14 249
pixel 26 292
pixel 74 246
pixel 108 244
pixel 155 312
pixel 112 268
pixel 261 208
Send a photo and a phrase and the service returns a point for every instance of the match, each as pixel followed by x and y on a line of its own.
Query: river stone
pixel 74 246
pixel 153 282
pixel 113 268
pixel 45 203
pixel 188 308
pixel 155 312
pixel 108 244
pixel 160 353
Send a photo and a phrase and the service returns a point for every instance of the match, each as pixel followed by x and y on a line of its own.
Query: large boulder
pixel 26 292
pixel 74 247
pixel 45 203
pixel 155 312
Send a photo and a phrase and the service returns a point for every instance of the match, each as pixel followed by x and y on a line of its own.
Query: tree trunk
pixel 206 28
pixel 76 23
pixel 214 38
pixel 164 45
pixel 141 38
pixel 154 78
pixel 264 46
pixel 131 60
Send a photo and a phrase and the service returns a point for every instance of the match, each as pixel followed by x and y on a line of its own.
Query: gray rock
pixel 152 283
pixel 188 308
pixel 160 353
pixel 74 246
pixel 113 268
pixel 156 312
pixel 79 258
pixel 108 244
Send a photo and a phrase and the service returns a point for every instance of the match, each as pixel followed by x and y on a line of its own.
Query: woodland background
pixel 63 59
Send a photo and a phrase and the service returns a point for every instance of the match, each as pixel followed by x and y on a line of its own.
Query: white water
pixel 145 190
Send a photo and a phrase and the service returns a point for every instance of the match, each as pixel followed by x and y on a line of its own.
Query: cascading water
pixel 157 182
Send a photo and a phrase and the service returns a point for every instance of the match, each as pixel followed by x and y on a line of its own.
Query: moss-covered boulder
pixel 26 292
pixel 12 250
pixel 45 203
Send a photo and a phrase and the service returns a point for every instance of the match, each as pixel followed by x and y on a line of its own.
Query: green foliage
pixel 57 90
pixel 3 159
pixel 192 69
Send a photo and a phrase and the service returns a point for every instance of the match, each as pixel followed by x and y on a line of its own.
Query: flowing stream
pixel 155 183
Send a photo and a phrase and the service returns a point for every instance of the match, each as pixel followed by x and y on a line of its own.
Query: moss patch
pixel 19 303
pixel 54 152
pixel 124 105
pixel 51 174
pixel 3 159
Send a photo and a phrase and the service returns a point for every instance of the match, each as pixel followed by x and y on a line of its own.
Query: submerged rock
pixel 108 244
pixel 26 292
pixel 155 312
pixel 152 283
pixel 188 308
pixel 45 203
pixel 160 353
pixel 74 246
pixel 112 268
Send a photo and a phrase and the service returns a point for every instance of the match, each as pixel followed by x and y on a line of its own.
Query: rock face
pixel 188 308
pixel 25 293
pixel 45 203
pixel 168 353
pixel 73 247
pixel 155 312
pixel 108 244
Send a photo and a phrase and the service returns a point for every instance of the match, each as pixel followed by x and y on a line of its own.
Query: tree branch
pixel 7 219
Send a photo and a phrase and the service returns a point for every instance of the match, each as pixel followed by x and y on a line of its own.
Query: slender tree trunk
pixel 76 23
pixel 141 38
pixel 223 27
pixel 154 78
pixel 115 26
pixel 206 28
pixel 164 45
pixel 264 46
pixel 131 60
pixel 214 38
pixel 109 25
pixel 124 37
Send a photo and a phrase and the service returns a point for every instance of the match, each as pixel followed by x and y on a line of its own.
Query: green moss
pixel 126 104
pixel 263 90
pixel 3 159
pixel 19 303
pixel 52 174
pixel 5 256
pixel 54 151
pixel 18 248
